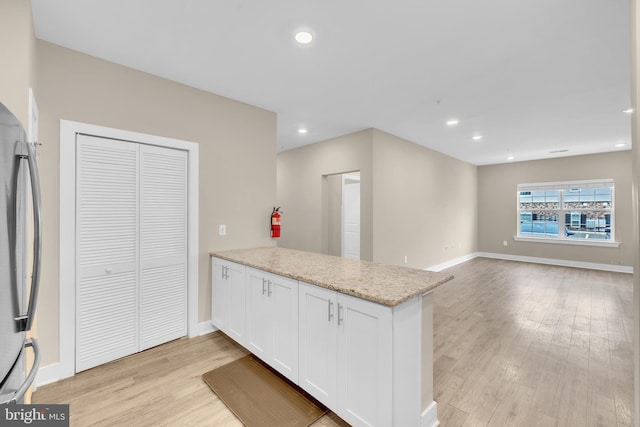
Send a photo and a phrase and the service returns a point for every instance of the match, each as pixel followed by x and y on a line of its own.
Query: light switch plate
pixel 222 229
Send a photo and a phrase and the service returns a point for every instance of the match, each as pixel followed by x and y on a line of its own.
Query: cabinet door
pixel 282 293
pixel 219 294
pixel 236 309
pixel 228 298
pixel 259 319
pixel 318 343
pixel 364 362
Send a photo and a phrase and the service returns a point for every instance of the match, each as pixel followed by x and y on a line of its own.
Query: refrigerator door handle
pixel 25 320
pixel 19 394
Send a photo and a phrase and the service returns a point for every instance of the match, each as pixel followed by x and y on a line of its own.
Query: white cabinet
pixel 272 321
pixel 369 363
pixel 318 343
pixel 228 299
pixel 346 354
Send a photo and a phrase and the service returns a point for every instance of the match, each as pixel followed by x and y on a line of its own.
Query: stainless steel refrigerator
pixel 18 185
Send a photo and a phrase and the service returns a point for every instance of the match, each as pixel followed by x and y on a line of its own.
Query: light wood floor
pixel 521 344
pixel 515 345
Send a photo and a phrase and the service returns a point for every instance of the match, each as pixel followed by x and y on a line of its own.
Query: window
pixel 568 211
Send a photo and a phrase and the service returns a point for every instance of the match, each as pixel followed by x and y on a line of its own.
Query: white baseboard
pixel 206 328
pixel 560 262
pixel 453 262
pixel 430 416
pixel 535 260
pixel 47 375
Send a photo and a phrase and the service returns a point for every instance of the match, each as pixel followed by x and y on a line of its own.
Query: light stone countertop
pixel 385 284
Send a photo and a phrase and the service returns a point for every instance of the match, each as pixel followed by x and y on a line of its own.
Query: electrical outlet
pixel 222 229
pixel 505 243
pixel 406 259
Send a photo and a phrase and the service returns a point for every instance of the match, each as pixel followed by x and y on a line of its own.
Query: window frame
pixel 561 187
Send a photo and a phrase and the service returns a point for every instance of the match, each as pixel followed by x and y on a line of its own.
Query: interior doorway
pixel 341 214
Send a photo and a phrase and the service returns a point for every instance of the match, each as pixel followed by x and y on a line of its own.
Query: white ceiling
pixel 530 76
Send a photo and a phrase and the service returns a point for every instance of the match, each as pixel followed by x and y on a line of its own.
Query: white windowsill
pixel 581 242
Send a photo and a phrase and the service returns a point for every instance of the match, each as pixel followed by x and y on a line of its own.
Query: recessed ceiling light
pixel 302 130
pixel 476 137
pixel 304 37
pixel 452 122
pixel 622 144
pixel 628 110
pixel 510 157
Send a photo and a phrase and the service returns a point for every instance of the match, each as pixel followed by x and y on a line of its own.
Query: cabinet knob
pixel 108 270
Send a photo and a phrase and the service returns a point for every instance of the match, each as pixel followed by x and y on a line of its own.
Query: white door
pixel 106 251
pixel 351 217
pixel 130 248
pixel 163 245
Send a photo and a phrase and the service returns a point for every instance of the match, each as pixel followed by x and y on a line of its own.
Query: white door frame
pixel 68 132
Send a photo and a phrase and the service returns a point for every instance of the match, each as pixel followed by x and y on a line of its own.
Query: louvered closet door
pixel 131 248
pixel 163 241
pixel 106 250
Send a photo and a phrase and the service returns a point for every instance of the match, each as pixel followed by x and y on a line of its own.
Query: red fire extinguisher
pixel 275 223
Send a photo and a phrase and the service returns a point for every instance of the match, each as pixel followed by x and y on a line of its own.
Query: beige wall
pixel 237 147
pixel 497 204
pixel 300 190
pixel 414 201
pixel 17 50
pixel 424 204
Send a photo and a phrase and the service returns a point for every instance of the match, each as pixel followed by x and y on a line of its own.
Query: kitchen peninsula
pixel 356 335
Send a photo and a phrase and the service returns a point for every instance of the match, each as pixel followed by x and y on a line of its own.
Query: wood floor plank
pixel 450 416
pixel 447 388
pixel 623 402
pixel 571 397
pixel 513 411
pixel 546 390
pixel 601 411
